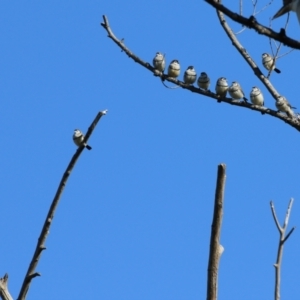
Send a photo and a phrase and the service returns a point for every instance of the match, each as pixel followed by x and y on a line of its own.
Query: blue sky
pixel 135 217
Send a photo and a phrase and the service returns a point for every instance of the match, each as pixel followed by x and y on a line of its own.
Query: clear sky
pixel 134 220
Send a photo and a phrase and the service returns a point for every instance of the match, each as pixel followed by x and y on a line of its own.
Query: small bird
pixel 78 139
pixel 222 87
pixel 174 68
pixel 269 63
pixel 159 62
pixel 203 81
pixel 289 5
pixel 190 75
pixel 283 105
pixel 257 97
pixel 236 91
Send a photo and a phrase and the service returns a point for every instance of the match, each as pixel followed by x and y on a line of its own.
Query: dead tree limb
pixel 31 273
pixel 4 293
pixel 216 249
pixel 282 239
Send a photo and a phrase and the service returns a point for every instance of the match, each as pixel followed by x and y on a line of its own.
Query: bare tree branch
pixel 215 248
pixel 264 110
pixel 4 293
pixel 282 240
pixel 45 230
pixel 253 24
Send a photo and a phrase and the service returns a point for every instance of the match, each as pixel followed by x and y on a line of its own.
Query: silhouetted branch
pixel 45 230
pixel 216 248
pixel 294 122
pixel 4 293
pixel 253 24
pixel 282 240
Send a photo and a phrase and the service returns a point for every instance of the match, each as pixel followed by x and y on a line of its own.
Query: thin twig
pixel 282 240
pixel 4 293
pixel 264 110
pixel 263 8
pixel 216 249
pixel 45 230
pixel 253 24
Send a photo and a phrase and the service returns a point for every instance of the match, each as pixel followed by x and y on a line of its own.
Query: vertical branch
pixel 31 273
pixel 4 293
pixel 282 239
pixel 215 248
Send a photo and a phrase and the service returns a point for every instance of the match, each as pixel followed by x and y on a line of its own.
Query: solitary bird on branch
pixel 269 62
pixel 78 139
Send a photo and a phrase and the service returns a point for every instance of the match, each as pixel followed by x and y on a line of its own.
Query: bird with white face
pixel 236 91
pixel 190 75
pixel 203 81
pixel 269 63
pixel 222 87
pixel 78 139
pixel 159 62
pixel 289 5
pixel 283 105
pixel 174 69
pixel 256 96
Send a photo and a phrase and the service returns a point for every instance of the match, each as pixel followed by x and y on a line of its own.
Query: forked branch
pixel 216 249
pixel 282 239
pixel 294 122
pixel 45 230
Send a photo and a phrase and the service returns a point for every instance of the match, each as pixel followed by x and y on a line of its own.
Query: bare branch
pixel 45 230
pixel 253 24
pixel 264 110
pixel 288 212
pixel 282 240
pixel 215 248
pixel 4 293
pixel 288 235
pixel 274 216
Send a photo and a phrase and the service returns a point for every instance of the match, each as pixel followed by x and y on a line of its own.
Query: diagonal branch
pixel 282 240
pixel 253 24
pixel 45 230
pixel 216 249
pixel 4 293
pixel 246 56
pixel 264 110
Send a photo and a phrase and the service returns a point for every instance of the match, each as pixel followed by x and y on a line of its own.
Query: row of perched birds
pixel 235 90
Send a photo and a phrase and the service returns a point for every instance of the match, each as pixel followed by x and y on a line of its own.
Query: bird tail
pixel 277 70
pixel 88 147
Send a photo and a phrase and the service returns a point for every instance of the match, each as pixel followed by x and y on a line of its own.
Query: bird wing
pixel 287 6
pixel 298 11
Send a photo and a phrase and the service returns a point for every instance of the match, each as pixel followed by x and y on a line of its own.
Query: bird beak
pixel 283 10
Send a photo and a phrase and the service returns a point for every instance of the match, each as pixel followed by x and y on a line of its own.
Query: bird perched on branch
pixel 222 87
pixel 78 139
pixel 283 105
pixel 289 5
pixel 190 75
pixel 159 62
pixel 236 91
pixel 269 62
pixel 174 68
pixel 256 96
pixel 204 81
